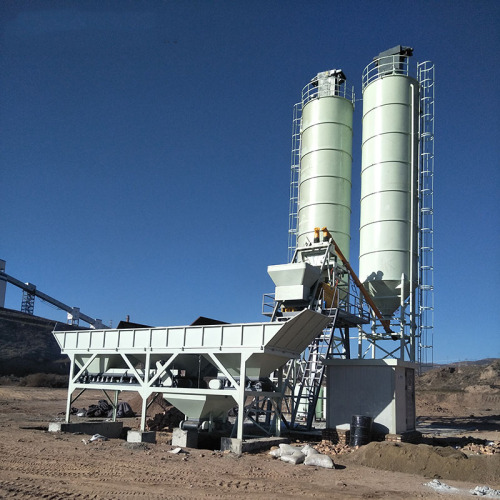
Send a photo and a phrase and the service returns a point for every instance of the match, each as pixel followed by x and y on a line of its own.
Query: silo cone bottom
pixel 386 295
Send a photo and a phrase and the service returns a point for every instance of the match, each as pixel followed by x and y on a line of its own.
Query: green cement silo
pixel 389 173
pixel 326 159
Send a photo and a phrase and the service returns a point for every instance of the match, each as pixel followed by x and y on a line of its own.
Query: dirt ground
pixel 38 464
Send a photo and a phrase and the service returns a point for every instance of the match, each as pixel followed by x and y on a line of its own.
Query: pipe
pixel 385 323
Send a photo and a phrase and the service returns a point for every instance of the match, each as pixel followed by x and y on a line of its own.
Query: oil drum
pixel 361 429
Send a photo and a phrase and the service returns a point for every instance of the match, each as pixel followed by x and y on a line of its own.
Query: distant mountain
pixel 479 362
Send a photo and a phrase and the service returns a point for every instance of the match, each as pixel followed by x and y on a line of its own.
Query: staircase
pixel 306 390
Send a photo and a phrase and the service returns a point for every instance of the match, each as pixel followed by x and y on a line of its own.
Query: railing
pixel 385 66
pixel 313 91
pixel 268 304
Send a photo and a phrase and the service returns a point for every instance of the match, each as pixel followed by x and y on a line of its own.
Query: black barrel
pixel 361 430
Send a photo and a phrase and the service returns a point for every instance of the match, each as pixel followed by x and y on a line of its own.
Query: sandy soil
pixel 38 464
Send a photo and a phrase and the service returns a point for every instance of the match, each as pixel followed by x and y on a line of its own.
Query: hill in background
pixel 460 389
pixel 28 346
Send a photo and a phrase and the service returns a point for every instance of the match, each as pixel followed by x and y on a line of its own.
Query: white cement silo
pixel 326 159
pixel 389 173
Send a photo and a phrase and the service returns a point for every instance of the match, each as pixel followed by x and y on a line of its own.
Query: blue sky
pixel 145 150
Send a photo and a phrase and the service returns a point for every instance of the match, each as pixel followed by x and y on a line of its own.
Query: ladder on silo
pixel 294 181
pixel 425 313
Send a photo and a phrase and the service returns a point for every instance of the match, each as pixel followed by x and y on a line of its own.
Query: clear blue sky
pixel 145 150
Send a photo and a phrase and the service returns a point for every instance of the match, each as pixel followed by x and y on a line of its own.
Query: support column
pixel 70 386
pixel 143 411
pixel 279 402
pixel 241 397
pixel 115 405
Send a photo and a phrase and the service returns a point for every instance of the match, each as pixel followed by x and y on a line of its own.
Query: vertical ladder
pixel 294 181
pixel 426 215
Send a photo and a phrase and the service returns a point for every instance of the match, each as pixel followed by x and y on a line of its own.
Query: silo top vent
pixel 395 51
pixel 326 84
pixel 393 61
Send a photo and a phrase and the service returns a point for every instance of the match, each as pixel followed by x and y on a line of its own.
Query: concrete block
pixel 141 437
pixel 233 445
pixel 238 446
pixel 185 438
pixel 110 430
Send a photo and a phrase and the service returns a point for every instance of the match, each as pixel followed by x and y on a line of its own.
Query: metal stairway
pixel 306 392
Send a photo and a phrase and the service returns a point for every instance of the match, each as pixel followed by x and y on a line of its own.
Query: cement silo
pixel 389 175
pixel 325 159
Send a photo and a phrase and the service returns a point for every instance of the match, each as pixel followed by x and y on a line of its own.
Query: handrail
pixel 312 91
pixel 385 66
pixel 385 323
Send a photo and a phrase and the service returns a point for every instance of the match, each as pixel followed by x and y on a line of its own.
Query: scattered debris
pixel 439 486
pixel 484 448
pixel 327 448
pixel 177 450
pixel 480 491
pixel 170 418
pixel 98 437
pixel 485 491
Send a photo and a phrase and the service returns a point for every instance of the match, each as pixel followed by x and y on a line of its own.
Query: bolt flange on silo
pixel 326 159
pixel 389 173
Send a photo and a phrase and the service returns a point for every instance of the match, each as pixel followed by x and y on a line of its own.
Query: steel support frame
pixel 28 303
pixel 146 386
pixel 401 343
